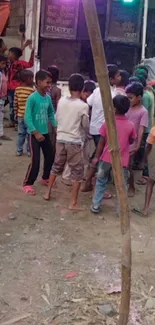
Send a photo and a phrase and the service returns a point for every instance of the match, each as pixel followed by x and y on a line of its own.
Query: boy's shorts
pixel 71 154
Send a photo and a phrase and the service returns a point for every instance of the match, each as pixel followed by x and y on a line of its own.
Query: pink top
pixel 139 116
pixel 126 133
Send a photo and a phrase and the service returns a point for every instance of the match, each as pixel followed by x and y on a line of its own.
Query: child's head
pixel 54 71
pixel 26 77
pixel 14 54
pixel 121 104
pixel 43 80
pixel 133 79
pixel 114 74
pixel 89 87
pixel 134 92
pixel 3 61
pixel 124 78
pixel 76 84
pixel 3 47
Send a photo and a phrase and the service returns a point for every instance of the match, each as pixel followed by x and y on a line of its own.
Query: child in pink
pixel 126 136
pixel 139 116
pixel 3 95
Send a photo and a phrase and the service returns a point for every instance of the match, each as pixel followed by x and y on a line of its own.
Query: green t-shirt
pixel 147 103
pixel 39 111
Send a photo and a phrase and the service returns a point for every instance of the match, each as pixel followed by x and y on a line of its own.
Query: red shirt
pixel 13 70
pixel 126 132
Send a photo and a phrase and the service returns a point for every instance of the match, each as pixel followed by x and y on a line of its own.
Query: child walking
pixel 97 117
pixel 72 118
pixel 39 110
pixel 89 87
pixel 139 116
pixel 126 136
pixel 14 70
pixel 21 95
pixel 3 95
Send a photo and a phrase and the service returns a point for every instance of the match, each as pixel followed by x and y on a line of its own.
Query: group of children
pixel 62 126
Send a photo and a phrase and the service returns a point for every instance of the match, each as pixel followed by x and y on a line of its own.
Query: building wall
pixel 17 16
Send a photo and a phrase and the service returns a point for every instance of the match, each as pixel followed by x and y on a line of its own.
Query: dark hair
pixel 16 51
pixel 89 86
pixel 113 70
pixel 54 71
pixel 1 42
pixel 76 82
pixel 133 79
pixel 25 75
pixel 135 88
pixel 3 58
pixel 124 78
pixel 42 75
pixel 122 104
pixel 142 80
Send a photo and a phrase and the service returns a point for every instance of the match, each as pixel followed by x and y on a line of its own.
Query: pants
pixel 102 181
pixel 11 103
pixel 96 139
pixel 1 117
pixel 22 136
pixel 140 154
pixel 33 169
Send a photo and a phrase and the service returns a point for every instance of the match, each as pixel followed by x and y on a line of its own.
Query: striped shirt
pixel 21 95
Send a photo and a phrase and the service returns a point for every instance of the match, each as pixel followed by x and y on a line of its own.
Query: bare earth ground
pixel 46 241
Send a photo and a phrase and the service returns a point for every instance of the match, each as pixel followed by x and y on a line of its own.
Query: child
pixel 120 89
pixel 149 154
pixel 21 95
pixel 55 93
pixel 126 136
pixel 15 67
pixel 72 117
pixel 89 87
pixel 3 95
pixel 97 117
pixel 39 110
pixel 139 116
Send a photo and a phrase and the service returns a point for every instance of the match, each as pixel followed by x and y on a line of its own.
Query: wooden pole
pixel 103 80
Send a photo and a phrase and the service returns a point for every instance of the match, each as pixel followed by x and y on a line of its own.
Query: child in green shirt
pixel 39 111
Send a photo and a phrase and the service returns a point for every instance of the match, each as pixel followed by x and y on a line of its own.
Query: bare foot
pixel 131 192
pixel 46 197
pixel 75 207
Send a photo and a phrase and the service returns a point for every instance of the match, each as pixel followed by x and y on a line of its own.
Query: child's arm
pixel 58 95
pixel 15 105
pixel 51 114
pixel 30 63
pixel 29 120
pixel 143 124
pixel 100 147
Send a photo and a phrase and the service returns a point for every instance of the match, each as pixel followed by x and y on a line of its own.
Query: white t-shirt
pixel 69 115
pixel 97 116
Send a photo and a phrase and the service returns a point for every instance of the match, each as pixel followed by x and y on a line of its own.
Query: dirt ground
pixel 45 242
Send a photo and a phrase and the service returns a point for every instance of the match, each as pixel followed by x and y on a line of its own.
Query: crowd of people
pixel 62 127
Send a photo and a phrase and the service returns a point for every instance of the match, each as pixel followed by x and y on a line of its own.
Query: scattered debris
pixel 7 234
pixel 11 216
pixel 46 300
pixel 107 309
pixel 71 275
pixel 114 290
pixel 150 304
pixel 16 319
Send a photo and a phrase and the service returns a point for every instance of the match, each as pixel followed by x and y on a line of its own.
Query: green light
pixel 128 1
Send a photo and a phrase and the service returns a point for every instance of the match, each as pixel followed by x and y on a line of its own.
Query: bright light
pixel 128 1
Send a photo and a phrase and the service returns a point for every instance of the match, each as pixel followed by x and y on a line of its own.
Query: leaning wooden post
pixel 103 80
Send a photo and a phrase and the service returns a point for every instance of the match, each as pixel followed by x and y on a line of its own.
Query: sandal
pixel 94 209
pixel 28 189
pixel 142 181
pixel 139 213
pixel 107 196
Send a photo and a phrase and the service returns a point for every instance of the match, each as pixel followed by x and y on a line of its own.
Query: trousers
pixel 33 169
pixel 22 136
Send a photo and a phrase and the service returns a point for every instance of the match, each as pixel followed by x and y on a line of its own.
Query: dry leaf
pixel 47 288
pixel 46 300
